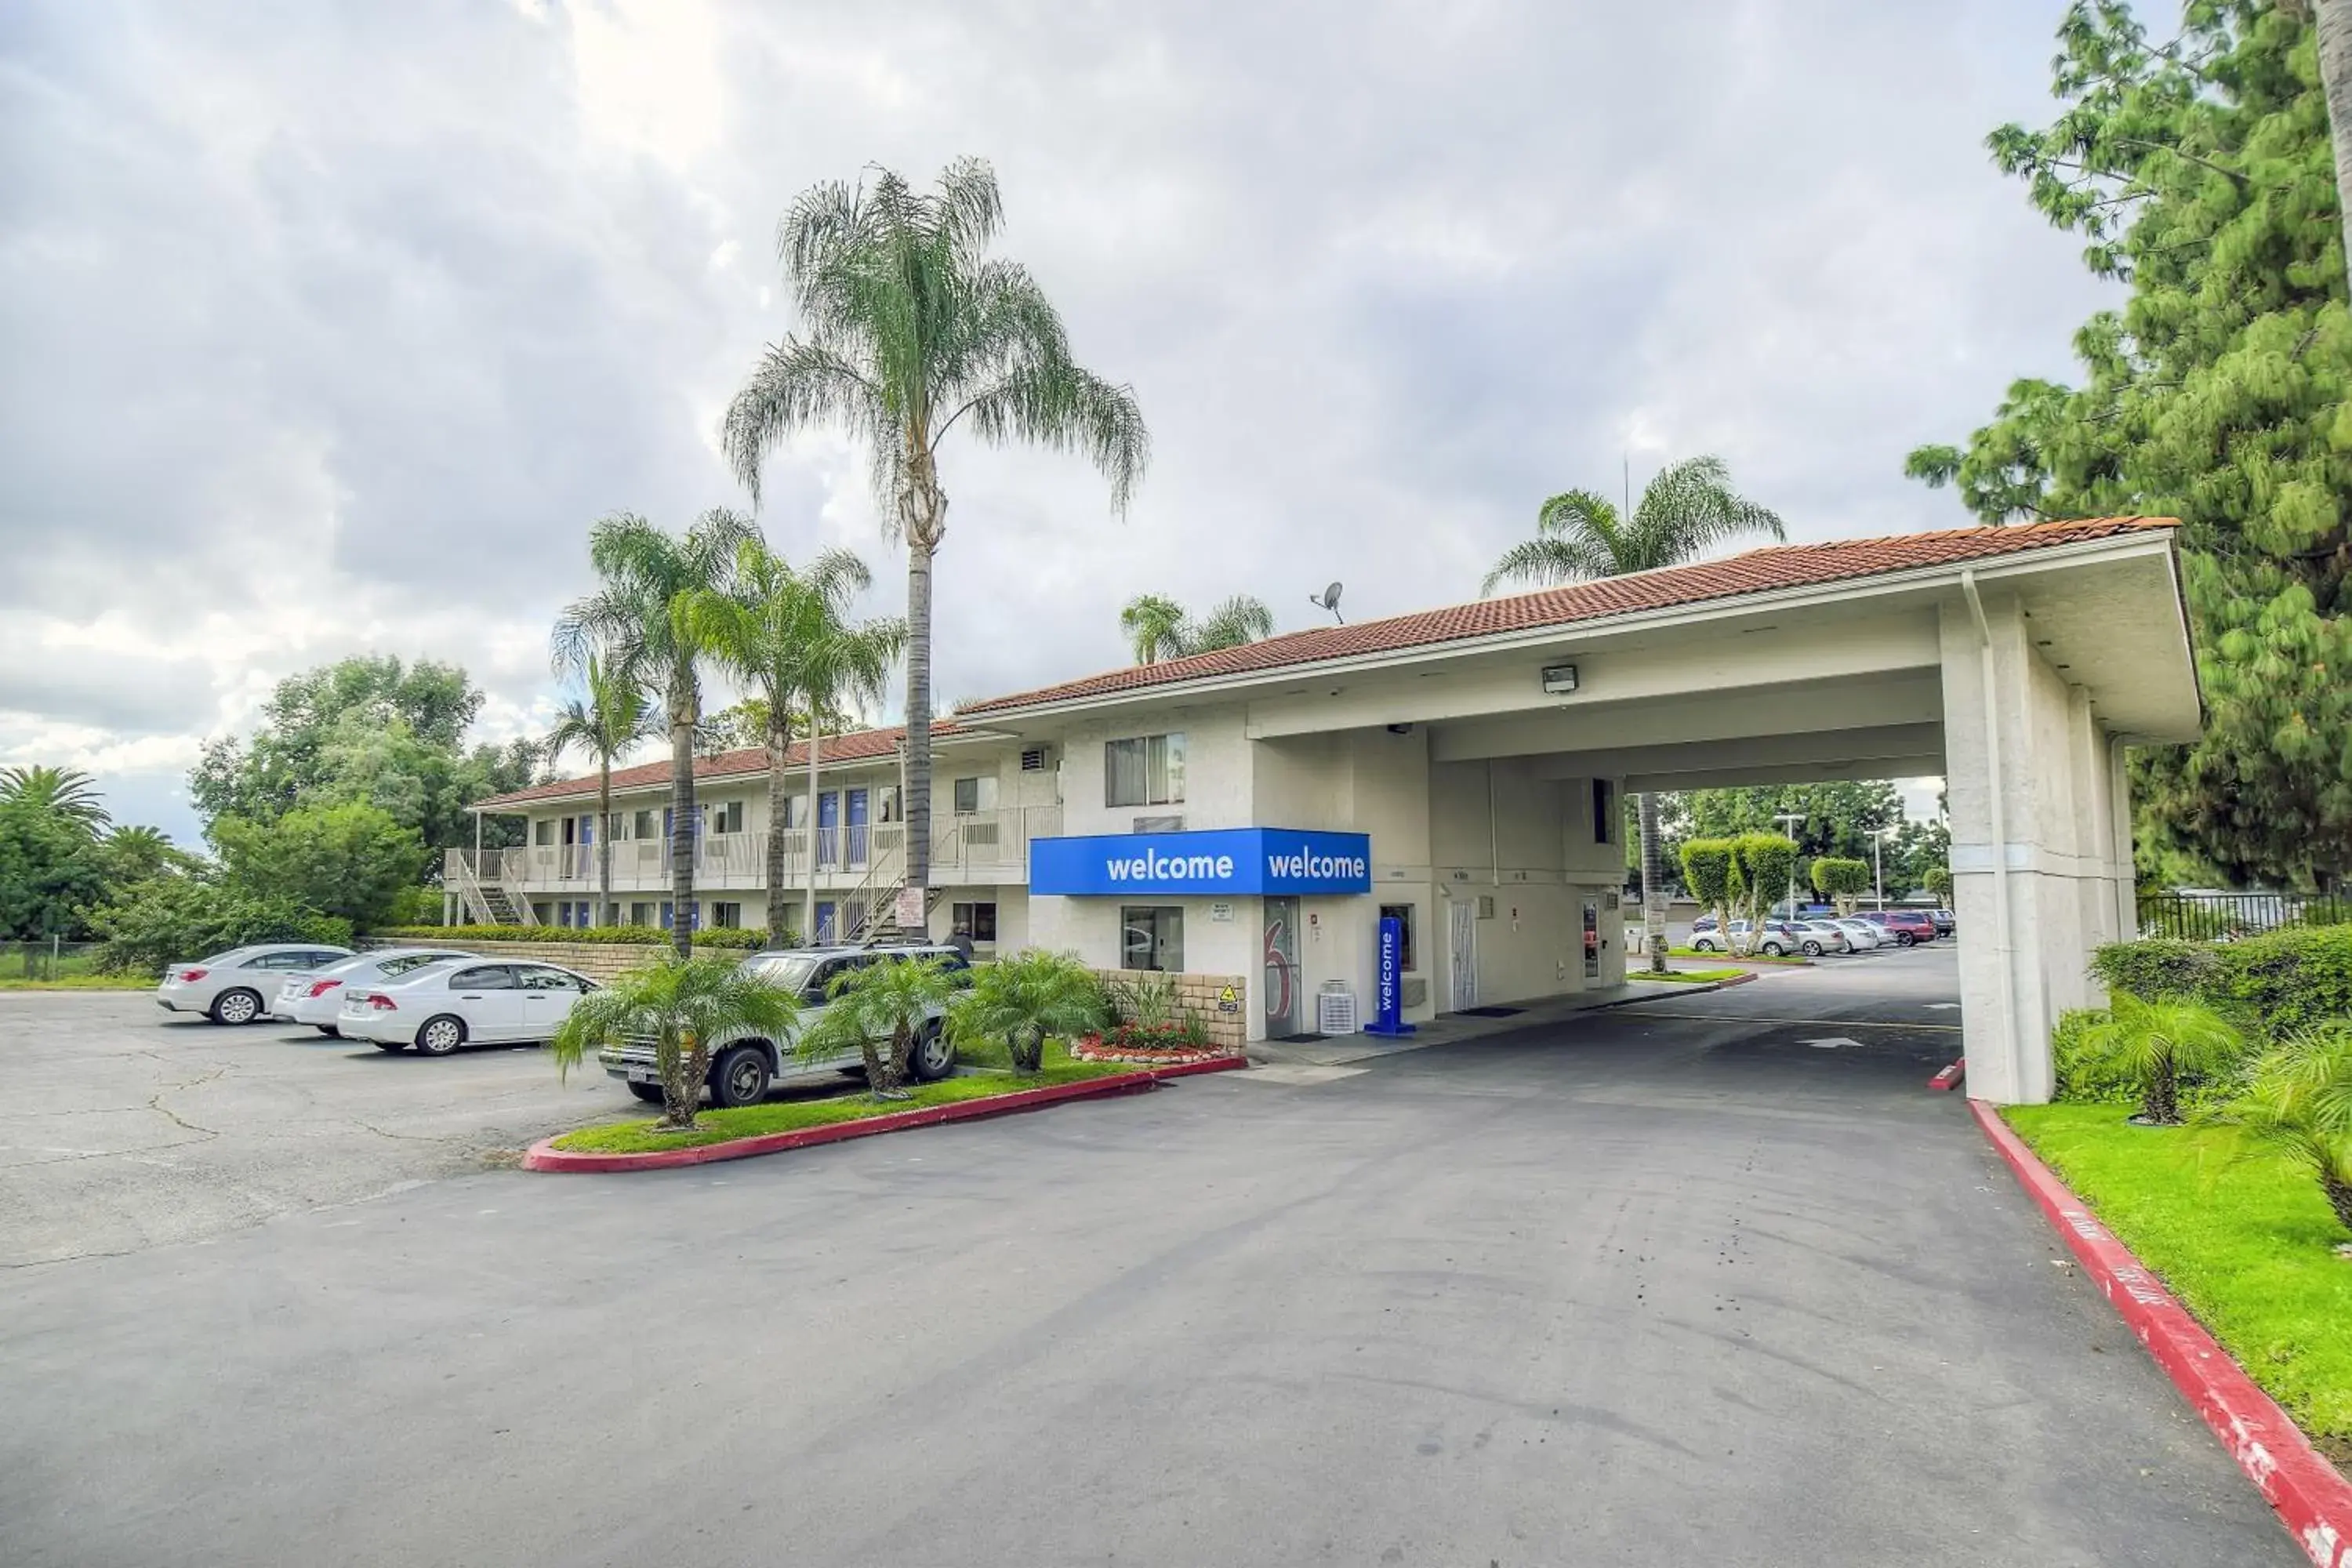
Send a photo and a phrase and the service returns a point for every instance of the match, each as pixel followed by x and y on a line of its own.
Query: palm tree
pixel 68 793
pixel 2298 1103
pixel 1687 510
pixel 909 329
pixel 615 714
pixel 2153 1043
pixel 787 635
pixel 1023 999
pixel 887 1001
pixel 135 853
pixel 681 1004
pixel 1160 628
pixel 633 619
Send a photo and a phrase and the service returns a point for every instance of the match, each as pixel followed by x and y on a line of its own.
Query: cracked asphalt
pixel 1713 1279
pixel 126 1126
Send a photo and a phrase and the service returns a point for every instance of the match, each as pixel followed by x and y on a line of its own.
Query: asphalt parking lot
pixel 1713 1279
pixel 128 1127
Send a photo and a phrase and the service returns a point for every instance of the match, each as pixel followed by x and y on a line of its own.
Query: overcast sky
pixel 331 328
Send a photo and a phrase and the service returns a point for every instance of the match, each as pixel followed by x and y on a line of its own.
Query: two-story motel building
pixel 1255 811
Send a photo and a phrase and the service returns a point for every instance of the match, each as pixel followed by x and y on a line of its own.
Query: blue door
pixel 855 847
pixel 828 829
pixel 825 932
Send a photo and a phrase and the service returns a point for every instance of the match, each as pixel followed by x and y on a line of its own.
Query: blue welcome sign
pixel 1280 861
pixel 1388 988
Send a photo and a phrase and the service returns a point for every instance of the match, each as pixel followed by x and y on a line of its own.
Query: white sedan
pixel 318 998
pixel 446 1005
pixel 231 987
pixel 1861 932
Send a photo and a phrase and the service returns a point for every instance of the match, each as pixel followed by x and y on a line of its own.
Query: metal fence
pixel 2218 917
pixel 46 960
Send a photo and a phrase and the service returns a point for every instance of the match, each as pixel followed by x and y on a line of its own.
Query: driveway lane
pixel 1630 1290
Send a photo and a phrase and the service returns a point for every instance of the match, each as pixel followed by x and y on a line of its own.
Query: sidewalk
pixel 1447 1028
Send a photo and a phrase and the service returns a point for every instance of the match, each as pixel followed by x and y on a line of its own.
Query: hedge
pixel 748 938
pixel 2271 985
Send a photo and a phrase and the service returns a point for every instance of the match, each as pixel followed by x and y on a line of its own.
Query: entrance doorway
pixel 1281 967
pixel 1462 925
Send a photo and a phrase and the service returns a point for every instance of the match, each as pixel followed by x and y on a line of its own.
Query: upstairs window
pixel 1146 770
pixel 728 818
pixel 975 795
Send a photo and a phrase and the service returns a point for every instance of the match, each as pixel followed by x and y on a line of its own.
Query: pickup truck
pixel 745 1067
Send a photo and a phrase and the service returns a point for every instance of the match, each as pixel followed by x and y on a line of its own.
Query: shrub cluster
pixel 739 937
pixel 2270 985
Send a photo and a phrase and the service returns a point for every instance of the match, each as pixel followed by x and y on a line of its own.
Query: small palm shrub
pixel 1023 999
pixel 877 1011
pixel 2297 1102
pixel 2150 1046
pixel 681 1005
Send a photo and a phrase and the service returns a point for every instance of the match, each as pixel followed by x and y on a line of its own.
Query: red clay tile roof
pixel 1758 571
pixel 856 746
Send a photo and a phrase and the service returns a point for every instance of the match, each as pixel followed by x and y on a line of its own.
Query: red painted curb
pixel 2310 1498
pixel 1949 1077
pixel 543 1156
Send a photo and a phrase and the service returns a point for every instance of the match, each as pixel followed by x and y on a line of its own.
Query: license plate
pixel 645 1075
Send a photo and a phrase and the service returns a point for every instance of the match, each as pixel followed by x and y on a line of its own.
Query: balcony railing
pixel 981 847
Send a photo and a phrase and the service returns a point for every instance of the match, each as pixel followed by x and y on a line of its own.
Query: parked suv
pixel 1908 927
pixel 745 1067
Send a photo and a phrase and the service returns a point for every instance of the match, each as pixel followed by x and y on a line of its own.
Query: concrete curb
pixel 544 1156
pixel 2310 1498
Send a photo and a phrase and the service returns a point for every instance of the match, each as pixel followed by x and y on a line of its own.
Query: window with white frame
pixel 1151 937
pixel 641 825
pixel 1147 769
pixel 726 916
pixel 974 795
pixel 727 816
pixel 543 831
pixel 974 921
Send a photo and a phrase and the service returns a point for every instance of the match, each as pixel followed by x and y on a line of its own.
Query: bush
pixel 351 860
pixel 2285 980
pixel 172 918
pixel 2087 1074
pixel 2157 969
pixel 743 939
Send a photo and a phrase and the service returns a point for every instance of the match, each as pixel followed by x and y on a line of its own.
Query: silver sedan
pixel 317 997
pixel 232 987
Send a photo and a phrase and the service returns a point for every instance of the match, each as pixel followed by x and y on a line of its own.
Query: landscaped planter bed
pixel 1095 1049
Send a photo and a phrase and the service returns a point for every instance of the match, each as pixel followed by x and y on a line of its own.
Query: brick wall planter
pixel 1204 995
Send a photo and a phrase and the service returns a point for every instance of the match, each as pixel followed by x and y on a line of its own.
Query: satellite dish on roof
pixel 1328 600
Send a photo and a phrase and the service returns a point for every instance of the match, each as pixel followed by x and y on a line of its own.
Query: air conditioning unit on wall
pixel 1036 758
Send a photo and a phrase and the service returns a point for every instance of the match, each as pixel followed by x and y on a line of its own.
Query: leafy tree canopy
pixel 369 730
pixel 50 868
pixel 350 861
pixel 2199 173
pixel 172 919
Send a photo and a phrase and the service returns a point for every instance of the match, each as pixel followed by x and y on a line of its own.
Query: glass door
pixel 1281 992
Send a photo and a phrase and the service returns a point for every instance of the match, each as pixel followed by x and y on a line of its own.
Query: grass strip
pixel 1717 956
pixel 793 1115
pixel 1690 976
pixel 80 983
pixel 2248 1244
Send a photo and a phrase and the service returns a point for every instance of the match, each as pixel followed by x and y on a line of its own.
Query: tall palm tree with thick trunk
pixel 787 635
pixel 1159 627
pixel 613 714
pixel 635 617
pixel 1688 510
pixel 909 329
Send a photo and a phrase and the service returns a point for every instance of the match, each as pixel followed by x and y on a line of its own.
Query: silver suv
pixel 745 1067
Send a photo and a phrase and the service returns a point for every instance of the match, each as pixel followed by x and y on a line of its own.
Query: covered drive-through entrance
pixel 1480 754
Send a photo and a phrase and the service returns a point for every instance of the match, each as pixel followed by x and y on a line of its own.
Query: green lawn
pixel 791 1115
pixel 2248 1246
pixel 80 982
pixel 1752 958
pixel 1686 977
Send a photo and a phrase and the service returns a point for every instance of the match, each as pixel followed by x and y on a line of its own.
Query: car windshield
pixel 233 954
pixel 404 962
pixel 791 971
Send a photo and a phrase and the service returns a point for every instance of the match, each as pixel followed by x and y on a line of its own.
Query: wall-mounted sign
pixel 1559 679
pixel 1280 861
pixel 1222 913
pixel 1229 1000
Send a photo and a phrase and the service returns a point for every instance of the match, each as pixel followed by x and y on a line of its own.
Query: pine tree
pixel 2201 172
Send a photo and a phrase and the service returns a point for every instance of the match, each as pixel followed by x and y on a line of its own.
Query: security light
pixel 1559 679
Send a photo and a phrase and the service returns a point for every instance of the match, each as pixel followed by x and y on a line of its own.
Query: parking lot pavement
pixel 127 1128
pixel 1638 1291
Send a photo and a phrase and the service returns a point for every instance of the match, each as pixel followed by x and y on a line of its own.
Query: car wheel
pixel 331 1031
pixel 651 1093
pixel 1700 944
pixel 238 1006
pixel 1813 950
pixel 741 1078
pixel 934 1055
pixel 441 1036
pixel 392 1044
pixel 1904 939
pixel 1773 950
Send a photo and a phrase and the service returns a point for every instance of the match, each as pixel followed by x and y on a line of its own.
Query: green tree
pixel 68 794
pixel 1160 628
pixel 636 619
pixel 1768 867
pixel 134 853
pixel 787 635
pixel 50 868
pixel 610 715
pixel 1688 510
pixel 1710 875
pixel 172 919
pixel 879 1010
pixel 350 861
pixel 2152 1044
pixel 681 1002
pixel 1839 816
pixel 1937 879
pixel 1023 999
pixel 1840 880
pixel 2297 1102
pixel 2201 174
pixel 908 329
